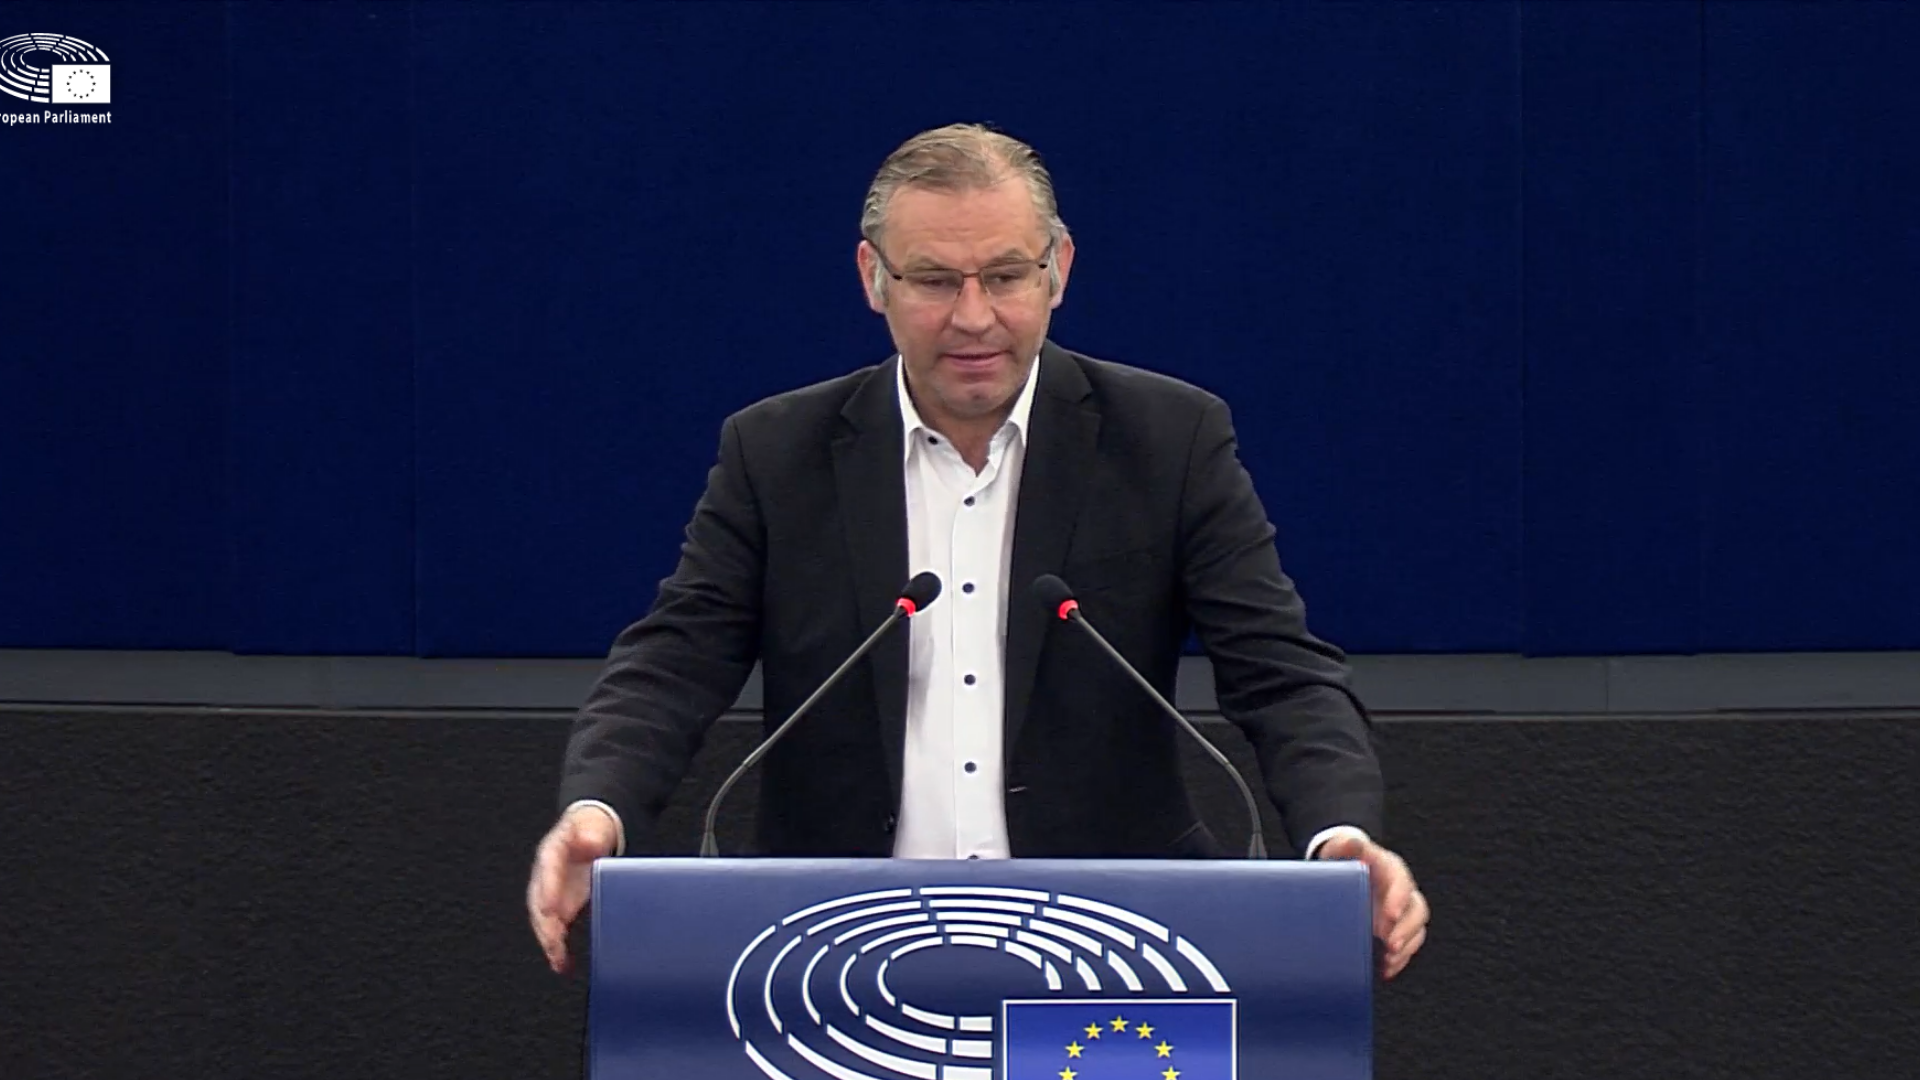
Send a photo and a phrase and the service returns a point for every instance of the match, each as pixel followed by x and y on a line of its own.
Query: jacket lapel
pixel 871 481
pixel 1062 440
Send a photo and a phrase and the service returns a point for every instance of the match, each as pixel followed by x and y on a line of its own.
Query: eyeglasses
pixel 938 286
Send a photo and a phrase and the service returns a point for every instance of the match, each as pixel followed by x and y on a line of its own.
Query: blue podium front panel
pixel 897 969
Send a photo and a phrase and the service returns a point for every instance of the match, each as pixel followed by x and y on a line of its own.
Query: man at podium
pixel 990 456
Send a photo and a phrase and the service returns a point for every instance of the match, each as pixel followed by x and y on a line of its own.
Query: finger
pixel 546 881
pixel 1342 847
pixel 1391 883
pixel 568 905
pixel 552 938
pixel 1398 960
pixel 544 903
pixel 553 944
pixel 589 835
pixel 1398 888
pixel 1413 944
pixel 555 920
pixel 1385 912
pixel 1392 963
pixel 1413 922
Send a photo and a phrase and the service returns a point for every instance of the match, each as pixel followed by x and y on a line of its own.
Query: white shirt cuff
pixel 1324 835
pixel 619 829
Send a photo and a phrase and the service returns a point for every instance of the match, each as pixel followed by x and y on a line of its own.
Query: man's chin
pixel 977 402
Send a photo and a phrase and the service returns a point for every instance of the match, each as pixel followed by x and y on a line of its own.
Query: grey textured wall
pixel 208 894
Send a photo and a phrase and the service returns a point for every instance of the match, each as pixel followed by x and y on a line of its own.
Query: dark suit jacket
pixel 1132 491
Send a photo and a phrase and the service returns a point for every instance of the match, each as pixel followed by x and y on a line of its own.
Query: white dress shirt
pixel 960 526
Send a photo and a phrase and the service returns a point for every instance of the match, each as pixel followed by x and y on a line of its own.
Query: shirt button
pixel 971 766
pixel 969 679
pixel 969 500
pixel 931 441
pixel 968 587
pixel 973 856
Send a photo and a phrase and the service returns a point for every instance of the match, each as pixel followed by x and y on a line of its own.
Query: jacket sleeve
pixel 1286 689
pixel 669 676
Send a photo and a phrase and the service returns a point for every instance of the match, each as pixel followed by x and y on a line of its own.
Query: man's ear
pixel 869 264
pixel 1062 261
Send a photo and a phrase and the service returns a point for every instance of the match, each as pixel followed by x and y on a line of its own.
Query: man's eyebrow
pixel 1010 255
pixel 1013 254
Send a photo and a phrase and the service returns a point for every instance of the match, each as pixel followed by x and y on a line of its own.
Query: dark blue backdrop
pixel 408 328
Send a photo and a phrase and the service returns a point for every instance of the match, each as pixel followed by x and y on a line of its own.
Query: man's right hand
pixel 562 877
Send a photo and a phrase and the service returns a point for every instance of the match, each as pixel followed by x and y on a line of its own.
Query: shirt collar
pixel 911 423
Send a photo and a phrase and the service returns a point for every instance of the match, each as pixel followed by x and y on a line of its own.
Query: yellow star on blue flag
pixel 1099 1039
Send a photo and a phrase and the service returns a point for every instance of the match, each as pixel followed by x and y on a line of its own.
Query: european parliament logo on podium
pixel 878 976
pixel 1018 970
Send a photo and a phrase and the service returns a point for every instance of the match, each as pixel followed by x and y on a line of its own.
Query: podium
pixel 1022 969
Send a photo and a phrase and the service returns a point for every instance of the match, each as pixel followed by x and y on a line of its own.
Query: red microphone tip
pixel 1068 608
pixel 909 607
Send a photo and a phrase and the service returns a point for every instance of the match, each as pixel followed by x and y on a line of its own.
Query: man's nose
pixel 972 310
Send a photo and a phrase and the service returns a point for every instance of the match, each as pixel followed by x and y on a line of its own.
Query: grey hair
pixel 961 157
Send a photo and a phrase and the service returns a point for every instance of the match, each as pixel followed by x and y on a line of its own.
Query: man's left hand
pixel 1399 909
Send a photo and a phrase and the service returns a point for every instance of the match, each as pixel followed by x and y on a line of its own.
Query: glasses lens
pixel 1010 280
pixel 944 286
pixel 934 286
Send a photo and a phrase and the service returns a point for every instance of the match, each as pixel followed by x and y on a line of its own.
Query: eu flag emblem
pixel 1107 1038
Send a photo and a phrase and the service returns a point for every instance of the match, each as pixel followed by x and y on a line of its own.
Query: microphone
pixel 1057 595
pixel 921 591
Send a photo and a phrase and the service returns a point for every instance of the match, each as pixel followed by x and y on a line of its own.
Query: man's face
pixel 967 354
